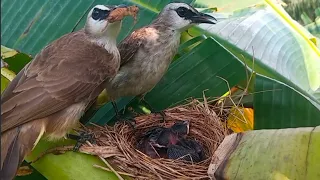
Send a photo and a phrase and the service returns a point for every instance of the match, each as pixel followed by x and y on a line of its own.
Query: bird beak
pixel 187 123
pixel 203 18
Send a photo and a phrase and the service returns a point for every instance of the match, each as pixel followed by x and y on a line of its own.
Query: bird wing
pixel 131 44
pixel 68 71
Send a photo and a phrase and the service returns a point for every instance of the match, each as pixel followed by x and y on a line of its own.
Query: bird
pixel 187 150
pixel 49 95
pixel 163 137
pixel 148 51
pixel 155 141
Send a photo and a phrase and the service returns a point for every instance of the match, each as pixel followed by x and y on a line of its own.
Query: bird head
pixel 98 25
pixel 181 128
pixel 181 16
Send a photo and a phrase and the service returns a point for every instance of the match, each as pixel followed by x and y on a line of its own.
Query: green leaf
pixel 276 105
pixel 314 28
pixel 269 154
pixel 37 23
pixel 305 18
pixel 4 83
pixel 279 50
pixel 15 60
pixel 226 5
pixel 7 52
pixel 69 165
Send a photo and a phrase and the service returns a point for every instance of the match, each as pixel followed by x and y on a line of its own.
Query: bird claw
pixel 163 116
pixel 130 121
pixel 81 139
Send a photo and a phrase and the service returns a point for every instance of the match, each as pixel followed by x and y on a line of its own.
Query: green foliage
pixel 303 11
pixel 287 97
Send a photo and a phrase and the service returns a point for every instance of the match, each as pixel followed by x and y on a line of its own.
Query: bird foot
pixel 81 139
pixel 130 121
pixel 163 116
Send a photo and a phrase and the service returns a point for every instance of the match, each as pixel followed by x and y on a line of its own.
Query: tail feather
pixel 15 145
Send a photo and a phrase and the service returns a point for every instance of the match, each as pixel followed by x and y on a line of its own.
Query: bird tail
pixel 16 143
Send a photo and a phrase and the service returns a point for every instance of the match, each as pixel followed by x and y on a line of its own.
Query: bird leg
pixel 130 121
pixel 163 115
pixel 81 139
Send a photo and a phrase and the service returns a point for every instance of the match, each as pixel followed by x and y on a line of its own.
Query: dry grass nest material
pixel 117 143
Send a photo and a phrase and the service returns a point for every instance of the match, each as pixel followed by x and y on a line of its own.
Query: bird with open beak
pixel 49 94
pixel 147 52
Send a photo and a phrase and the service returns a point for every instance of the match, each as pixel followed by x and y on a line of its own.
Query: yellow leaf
pixel 240 119
pixel 7 52
pixel 5 72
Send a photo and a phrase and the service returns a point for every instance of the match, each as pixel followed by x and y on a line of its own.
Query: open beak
pixel 203 18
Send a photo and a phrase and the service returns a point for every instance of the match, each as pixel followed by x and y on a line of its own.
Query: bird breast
pixel 151 62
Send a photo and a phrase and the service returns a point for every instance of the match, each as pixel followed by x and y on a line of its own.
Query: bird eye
pixel 95 14
pixel 182 11
pixel 98 14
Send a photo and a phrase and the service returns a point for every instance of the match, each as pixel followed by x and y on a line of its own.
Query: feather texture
pixel 68 71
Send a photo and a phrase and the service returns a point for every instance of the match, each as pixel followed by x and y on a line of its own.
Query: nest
pixel 117 143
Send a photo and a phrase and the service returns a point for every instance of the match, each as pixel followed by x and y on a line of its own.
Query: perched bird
pixel 147 52
pixel 50 94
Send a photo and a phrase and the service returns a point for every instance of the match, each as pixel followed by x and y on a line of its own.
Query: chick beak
pixel 187 123
pixel 203 18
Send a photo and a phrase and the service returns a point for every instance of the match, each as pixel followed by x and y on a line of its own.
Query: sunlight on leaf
pixel 241 119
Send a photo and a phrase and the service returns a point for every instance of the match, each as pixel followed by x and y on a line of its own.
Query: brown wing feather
pixel 70 70
pixel 131 44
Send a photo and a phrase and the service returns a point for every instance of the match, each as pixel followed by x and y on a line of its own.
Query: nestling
pixel 50 94
pixel 147 52
pixel 155 142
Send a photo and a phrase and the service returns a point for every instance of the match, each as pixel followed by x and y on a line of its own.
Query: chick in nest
pixel 155 142
pixel 186 149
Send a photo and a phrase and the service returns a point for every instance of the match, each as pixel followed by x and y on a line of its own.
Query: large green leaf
pixel 40 22
pixel 279 50
pixel 277 105
pixel 69 165
pixel 36 23
pixel 226 5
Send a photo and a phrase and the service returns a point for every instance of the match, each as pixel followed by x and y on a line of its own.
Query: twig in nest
pixel 106 169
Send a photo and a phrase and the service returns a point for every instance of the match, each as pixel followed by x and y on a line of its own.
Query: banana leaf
pixel 37 23
pixel 268 154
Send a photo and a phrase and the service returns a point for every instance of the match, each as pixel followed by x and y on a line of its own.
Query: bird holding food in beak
pixel 147 52
pixel 49 95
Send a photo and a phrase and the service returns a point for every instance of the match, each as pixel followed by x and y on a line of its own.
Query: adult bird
pixel 49 94
pixel 147 52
